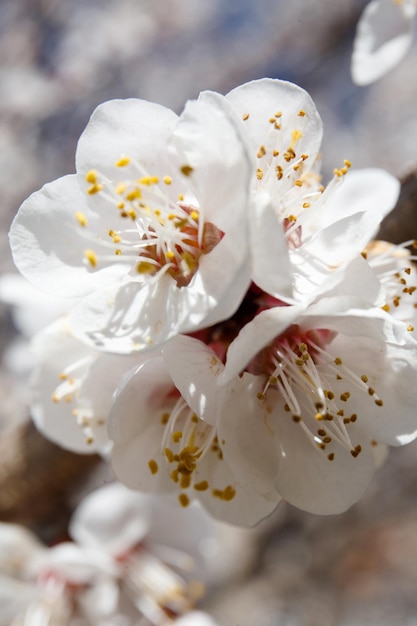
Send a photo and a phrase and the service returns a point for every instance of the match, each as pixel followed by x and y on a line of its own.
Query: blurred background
pixel 58 60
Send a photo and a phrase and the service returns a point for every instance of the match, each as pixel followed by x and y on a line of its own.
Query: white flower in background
pixel 384 34
pixel 161 549
pixel 158 206
pixel 40 585
pixel 164 433
pixel 394 267
pixel 31 312
pixel 302 232
pixel 310 393
pixel 71 388
pixel 196 618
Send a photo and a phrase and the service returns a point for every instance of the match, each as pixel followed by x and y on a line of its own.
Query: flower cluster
pixel 236 336
pixel 131 557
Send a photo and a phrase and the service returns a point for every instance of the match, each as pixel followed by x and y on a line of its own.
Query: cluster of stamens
pixel 152 232
pixel 186 441
pixel 305 375
pixel 289 168
pixel 394 267
pixel 68 390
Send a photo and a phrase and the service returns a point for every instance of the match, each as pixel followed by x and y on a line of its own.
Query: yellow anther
pixel 364 378
pixel 379 402
pixel 167 180
pixel 135 194
pixel 91 177
pixel 245 117
pixel 260 395
pixel 203 486
pixel 91 257
pixel 296 136
pixel 292 218
pixel 170 255
pixel 356 451
pixel 301 113
pixel 306 205
pixel 116 238
pixel 185 481
pixel 229 493
pixel 184 499
pixel 123 162
pixel 120 188
pixel 94 189
pixel 81 218
pixel 410 328
pixel 187 170
pixel 278 114
pixel 275 153
pixel 145 268
pixel 319 416
pixel 259 174
pixel 118 251
pixel 385 307
pixel 169 454
pixel 347 163
pixel 272 120
pixel 298 182
pixel 176 436
pixel 338 360
pixel 261 152
pixel 345 396
pixel 194 215
pixel 121 205
pixel 153 466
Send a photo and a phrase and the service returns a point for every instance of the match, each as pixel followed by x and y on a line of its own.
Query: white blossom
pixel 164 433
pixel 302 233
pixel 71 388
pixel 309 393
pixel 157 207
pixel 384 35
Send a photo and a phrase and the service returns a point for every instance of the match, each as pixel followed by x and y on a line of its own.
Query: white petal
pixel 130 461
pixel 48 245
pixel 271 267
pixel 250 444
pixel 140 394
pixel 383 36
pixel 372 191
pixel 309 480
pixel 134 128
pixel 56 349
pixel 194 369
pixel 195 618
pixel 112 518
pixel 63 421
pixel 246 508
pixel 132 317
pixel 76 565
pixel 208 137
pixel 262 99
pixel 391 371
pixel 17 547
pixel 255 335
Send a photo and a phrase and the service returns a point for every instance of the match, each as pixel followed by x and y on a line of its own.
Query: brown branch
pixel 401 224
pixel 36 478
